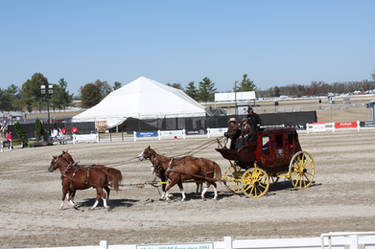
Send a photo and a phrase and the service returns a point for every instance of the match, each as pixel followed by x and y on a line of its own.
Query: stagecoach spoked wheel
pixel 255 182
pixel 232 177
pixel 301 170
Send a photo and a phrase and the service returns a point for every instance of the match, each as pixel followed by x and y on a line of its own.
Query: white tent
pixel 142 98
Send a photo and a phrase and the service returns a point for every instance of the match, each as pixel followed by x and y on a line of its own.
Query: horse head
pixel 146 154
pixel 58 162
pixel 54 164
pixel 67 156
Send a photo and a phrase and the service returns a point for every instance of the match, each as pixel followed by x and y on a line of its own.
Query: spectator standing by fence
pixel 9 140
pixel 74 130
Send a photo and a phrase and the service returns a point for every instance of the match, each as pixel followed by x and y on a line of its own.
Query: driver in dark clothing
pixel 254 121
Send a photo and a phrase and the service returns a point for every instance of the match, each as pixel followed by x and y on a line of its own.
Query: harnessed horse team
pixel 170 170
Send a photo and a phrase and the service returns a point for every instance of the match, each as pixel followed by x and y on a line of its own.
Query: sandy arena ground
pixel 342 197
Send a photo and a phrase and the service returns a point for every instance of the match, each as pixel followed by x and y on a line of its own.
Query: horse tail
pixel 114 177
pixel 217 172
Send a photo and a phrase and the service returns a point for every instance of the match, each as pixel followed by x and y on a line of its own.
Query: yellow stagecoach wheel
pixel 301 170
pixel 255 182
pixel 232 177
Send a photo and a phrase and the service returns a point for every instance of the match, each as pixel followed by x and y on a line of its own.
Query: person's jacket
pixel 233 130
pixel 254 121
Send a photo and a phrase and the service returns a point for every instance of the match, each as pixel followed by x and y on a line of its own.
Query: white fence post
pixel 183 133
pixel 103 244
pixel 1 146
pixel 134 136
pixel 358 125
pixel 227 242
pixel 208 132
pixel 353 241
pixel 159 135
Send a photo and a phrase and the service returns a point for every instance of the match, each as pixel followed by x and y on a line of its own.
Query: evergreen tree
pixel 246 85
pixel 191 90
pixel 206 91
pixel 61 97
pixel 38 129
pixel 21 134
pixel 116 85
pixel 175 85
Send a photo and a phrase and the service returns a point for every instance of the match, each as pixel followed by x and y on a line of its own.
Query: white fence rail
pixel 332 126
pixel 160 134
pixel 86 138
pixel 341 240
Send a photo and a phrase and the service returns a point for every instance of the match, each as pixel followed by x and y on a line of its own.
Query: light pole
pixel 235 98
pixel 47 92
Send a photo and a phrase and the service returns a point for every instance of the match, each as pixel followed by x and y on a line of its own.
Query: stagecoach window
pixel 290 138
pixel 265 144
pixel 279 141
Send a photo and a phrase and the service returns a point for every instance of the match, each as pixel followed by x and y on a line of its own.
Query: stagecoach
pixel 275 153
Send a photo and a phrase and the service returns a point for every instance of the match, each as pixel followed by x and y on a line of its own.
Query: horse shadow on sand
pixel 112 203
pixel 197 196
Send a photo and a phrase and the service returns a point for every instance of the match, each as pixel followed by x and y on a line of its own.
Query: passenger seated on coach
pixel 232 133
pixel 247 132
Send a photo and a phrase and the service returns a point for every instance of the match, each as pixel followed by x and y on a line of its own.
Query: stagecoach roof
pixel 142 98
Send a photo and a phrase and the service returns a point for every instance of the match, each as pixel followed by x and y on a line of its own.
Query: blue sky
pixel 274 42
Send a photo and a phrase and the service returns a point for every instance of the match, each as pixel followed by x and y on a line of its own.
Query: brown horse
pixel 181 169
pixel 112 172
pixel 74 178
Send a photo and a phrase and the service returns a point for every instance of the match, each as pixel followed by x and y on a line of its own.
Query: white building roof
pixel 142 98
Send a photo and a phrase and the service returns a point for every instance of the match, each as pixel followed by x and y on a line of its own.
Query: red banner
pixel 340 125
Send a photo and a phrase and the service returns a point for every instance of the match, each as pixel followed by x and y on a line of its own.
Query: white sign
pixel 178 246
pixel 85 138
pixel 232 96
pixel 216 131
pixel 172 133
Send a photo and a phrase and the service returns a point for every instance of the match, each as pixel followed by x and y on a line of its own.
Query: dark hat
pixel 249 109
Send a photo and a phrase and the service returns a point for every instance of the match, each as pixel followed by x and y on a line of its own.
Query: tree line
pixel 318 88
pixel 29 97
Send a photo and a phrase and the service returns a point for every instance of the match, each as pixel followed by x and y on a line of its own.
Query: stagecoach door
pixel 274 150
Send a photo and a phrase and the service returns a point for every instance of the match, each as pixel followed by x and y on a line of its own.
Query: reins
pixel 198 148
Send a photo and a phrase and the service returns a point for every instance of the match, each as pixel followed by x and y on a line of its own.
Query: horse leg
pixel 64 193
pixel 72 193
pixel 100 195
pixel 215 190
pixel 204 191
pixel 104 198
pixel 108 190
pixel 199 187
pixel 162 197
pixel 170 185
pixel 181 190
